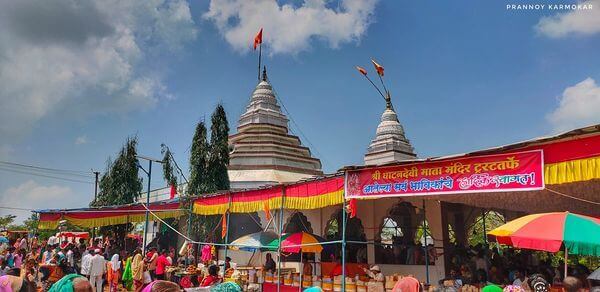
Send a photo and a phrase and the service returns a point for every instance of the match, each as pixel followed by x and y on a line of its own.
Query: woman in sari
pixel 137 270
pixel 113 273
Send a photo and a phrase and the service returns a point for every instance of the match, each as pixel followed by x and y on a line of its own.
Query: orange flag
pixel 361 70
pixel 378 67
pixel 224 225
pixel 352 208
pixel 267 209
pixel 258 38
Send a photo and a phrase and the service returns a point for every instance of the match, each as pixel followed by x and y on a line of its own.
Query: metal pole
pixel 566 260
pixel 344 235
pixel 426 247
pixel 145 240
pixel 484 228
pixel 279 243
pixel 259 58
pixel 227 234
pixel 96 173
pixel 189 232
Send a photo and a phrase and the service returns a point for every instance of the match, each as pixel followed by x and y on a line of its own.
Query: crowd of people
pixel 27 264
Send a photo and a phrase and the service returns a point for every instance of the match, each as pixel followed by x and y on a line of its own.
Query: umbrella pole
pixel 566 260
pixel 301 271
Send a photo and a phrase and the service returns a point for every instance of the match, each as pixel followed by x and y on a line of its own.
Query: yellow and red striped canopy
pixel 305 195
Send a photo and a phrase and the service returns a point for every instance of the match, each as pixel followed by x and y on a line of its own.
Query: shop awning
pixel 104 216
pixel 317 193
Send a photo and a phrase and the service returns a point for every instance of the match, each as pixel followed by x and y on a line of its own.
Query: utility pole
pixel 149 173
pixel 96 173
pixel 96 185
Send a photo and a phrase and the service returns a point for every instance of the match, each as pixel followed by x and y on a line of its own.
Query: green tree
pixel 7 220
pixel 219 150
pixel 168 171
pixel 198 183
pixel 476 232
pixel 120 184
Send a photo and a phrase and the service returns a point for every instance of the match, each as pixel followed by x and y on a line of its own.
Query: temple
pixel 390 143
pixel 263 152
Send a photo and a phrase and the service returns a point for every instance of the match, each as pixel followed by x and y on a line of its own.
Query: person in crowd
pixel 72 282
pixel 571 284
pixel 212 278
pixel 491 288
pixel 171 256
pixel 9 283
pixel 307 268
pixel 161 264
pixel 407 284
pixel 537 283
pixel 18 258
pixel 161 286
pixel 97 270
pixel 86 261
pixel 454 277
pixel 151 258
pixel 137 270
pixel 113 273
pixel 227 264
pixel 520 278
pixel 338 269
pixel 70 256
pixel 269 265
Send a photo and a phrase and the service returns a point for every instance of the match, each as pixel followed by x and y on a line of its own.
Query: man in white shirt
pixel 86 261
pixel 70 257
pixel 97 269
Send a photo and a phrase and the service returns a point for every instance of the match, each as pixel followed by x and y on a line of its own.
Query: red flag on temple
pixel 361 70
pixel 378 67
pixel 173 192
pixel 258 39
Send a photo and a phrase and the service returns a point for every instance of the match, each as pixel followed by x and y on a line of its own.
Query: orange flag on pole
pixel 361 70
pixel 378 67
pixel 258 38
pixel 224 225
pixel 267 209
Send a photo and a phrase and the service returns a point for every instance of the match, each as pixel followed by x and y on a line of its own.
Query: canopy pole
pixel 189 232
pixel 484 228
pixel 425 244
pixel 226 235
pixel 145 240
pixel 566 260
pixel 279 243
pixel 301 271
pixel 344 235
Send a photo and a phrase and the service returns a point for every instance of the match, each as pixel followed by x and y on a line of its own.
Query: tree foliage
pixel 120 184
pixel 208 168
pixel 219 149
pixel 168 171
pixel 6 221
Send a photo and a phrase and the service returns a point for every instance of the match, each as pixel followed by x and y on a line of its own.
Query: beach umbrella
pixel 577 234
pixel 291 242
pixel 253 241
pixel 595 275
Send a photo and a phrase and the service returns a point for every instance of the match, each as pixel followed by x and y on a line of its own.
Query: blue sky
pixel 464 75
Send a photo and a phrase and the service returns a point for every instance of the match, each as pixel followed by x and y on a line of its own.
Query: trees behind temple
pixel 120 184
pixel 208 167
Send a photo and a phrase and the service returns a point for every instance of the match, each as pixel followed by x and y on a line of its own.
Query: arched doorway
pixel 297 222
pixel 401 236
pixel 355 252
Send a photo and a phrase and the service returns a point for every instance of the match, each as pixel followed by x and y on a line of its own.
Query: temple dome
pixel 390 143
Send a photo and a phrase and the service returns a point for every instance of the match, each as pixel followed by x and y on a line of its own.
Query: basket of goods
pixel 269 278
pixel 350 285
pixel 287 280
pixel 327 284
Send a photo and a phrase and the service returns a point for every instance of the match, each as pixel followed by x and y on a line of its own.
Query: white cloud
pixel 31 195
pixel 81 140
pixel 583 22
pixel 289 28
pixel 579 106
pixel 84 57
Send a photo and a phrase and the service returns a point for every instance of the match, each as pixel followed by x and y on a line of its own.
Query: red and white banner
pixel 521 171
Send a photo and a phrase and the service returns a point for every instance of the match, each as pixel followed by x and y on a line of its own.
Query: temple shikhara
pixel 262 151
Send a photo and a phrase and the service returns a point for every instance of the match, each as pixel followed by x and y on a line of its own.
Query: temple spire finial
pixel 388 101
pixel 264 74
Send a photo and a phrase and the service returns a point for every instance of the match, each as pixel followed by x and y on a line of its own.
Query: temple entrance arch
pixel 355 231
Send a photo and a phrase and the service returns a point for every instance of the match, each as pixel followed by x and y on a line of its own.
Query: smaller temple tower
pixel 390 143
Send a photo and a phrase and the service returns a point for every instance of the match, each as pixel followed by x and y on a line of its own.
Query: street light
pixel 149 173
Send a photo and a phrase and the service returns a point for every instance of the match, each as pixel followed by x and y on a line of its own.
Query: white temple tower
pixel 262 151
pixel 390 143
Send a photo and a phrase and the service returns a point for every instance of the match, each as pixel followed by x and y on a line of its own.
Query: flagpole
pixel 381 79
pixel 259 58
pixel 375 87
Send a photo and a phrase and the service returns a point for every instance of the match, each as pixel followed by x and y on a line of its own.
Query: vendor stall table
pixel 272 287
